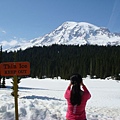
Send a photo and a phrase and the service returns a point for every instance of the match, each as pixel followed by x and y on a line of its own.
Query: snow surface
pixel 43 99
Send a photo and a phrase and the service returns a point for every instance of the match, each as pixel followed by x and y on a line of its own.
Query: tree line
pixel 63 60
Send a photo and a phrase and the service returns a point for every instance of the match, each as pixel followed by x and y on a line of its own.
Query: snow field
pixel 43 99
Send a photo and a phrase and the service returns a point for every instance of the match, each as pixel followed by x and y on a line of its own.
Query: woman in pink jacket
pixel 76 99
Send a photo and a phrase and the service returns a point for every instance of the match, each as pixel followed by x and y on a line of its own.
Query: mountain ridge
pixel 74 33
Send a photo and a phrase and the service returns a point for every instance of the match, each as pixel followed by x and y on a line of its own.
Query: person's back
pixel 76 99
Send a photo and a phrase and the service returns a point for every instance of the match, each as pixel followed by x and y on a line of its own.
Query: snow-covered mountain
pixel 74 33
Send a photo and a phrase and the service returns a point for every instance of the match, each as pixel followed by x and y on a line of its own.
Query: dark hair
pixel 76 96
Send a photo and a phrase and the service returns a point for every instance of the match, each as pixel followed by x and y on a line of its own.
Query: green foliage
pixel 62 60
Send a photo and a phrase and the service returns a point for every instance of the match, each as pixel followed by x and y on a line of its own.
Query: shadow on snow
pixel 28 88
pixel 41 97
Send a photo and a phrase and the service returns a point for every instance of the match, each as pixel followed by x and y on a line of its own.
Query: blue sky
pixel 28 19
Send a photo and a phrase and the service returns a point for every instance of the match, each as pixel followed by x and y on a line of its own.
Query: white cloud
pixel 11 43
pixel 4 32
pixel 14 37
pixel 8 44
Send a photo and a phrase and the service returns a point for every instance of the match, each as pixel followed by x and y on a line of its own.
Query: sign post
pixel 15 69
pixel 16 96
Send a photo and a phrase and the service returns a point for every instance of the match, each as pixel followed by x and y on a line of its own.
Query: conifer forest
pixel 64 60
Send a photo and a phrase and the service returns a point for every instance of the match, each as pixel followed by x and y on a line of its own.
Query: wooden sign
pixel 15 68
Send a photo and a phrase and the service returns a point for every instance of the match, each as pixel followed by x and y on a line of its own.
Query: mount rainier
pixel 74 33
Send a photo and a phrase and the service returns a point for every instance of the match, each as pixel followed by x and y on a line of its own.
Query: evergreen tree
pixel 63 60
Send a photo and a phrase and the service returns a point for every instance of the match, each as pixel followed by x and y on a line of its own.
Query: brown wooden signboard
pixel 15 68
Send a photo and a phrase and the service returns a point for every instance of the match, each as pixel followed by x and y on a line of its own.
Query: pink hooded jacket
pixel 77 112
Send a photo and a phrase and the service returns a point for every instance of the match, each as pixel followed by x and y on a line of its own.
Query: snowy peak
pixel 74 25
pixel 84 28
pixel 74 28
pixel 80 33
pixel 75 33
